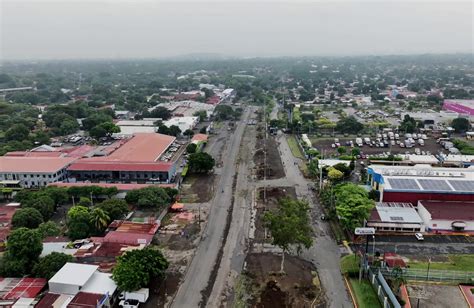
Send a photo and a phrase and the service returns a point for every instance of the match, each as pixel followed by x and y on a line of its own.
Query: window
pixel 44 176
pixel 49 175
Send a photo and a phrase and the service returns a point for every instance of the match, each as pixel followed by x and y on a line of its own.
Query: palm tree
pixel 99 219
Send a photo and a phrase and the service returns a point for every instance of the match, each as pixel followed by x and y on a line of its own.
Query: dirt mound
pixel 274 166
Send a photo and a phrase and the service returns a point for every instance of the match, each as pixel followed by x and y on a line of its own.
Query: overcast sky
pixel 37 29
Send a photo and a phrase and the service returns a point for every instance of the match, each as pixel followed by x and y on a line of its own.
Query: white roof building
pixel 331 162
pixel 184 123
pixel 73 278
pixel 391 216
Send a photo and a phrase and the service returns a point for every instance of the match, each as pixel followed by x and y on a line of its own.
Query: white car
pixel 129 303
pixel 419 236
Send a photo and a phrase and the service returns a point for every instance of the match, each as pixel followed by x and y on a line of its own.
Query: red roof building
pixel 16 288
pixel 447 215
pixel 393 260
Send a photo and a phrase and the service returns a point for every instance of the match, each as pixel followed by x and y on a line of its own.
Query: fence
pixel 446 276
pixel 385 294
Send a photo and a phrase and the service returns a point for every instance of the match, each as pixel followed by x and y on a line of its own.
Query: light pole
pixel 428 271
pixel 373 245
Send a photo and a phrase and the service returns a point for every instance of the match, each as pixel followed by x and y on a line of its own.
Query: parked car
pixel 419 236
pixel 129 303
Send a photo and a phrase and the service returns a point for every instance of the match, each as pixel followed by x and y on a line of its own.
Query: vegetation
pixel 294 147
pixel 352 205
pixel 23 250
pixel 464 147
pixel 49 228
pixel 27 218
pixel 460 125
pixel 149 197
pixel 290 226
pixel 114 208
pixel 78 222
pixel 50 264
pixel 349 125
pixel 201 162
pixel 136 268
pixel 364 293
pixel 191 148
pixel 454 263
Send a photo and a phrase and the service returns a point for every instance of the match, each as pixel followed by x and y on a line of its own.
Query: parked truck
pixel 139 295
pixel 359 142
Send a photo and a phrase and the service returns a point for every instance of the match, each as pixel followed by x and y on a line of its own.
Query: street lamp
pixel 428 271
pixel 373 245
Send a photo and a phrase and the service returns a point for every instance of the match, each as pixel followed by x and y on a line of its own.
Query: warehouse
pixel 395 217
pixel 411 184
pixel 447 216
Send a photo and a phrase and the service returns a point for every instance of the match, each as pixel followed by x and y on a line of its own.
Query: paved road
pixel 325 253
pixel 199 271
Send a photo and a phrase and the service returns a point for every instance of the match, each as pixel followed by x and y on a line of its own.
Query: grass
pixel 350 263
pixel 454 263
pixel 364 293
pixel 294 147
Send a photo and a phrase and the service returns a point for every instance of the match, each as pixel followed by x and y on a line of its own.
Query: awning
pixel 459 224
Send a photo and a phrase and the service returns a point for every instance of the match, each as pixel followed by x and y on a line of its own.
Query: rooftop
pixel 34 164
pixel 74 274
pixel 84 300
pixel 15 288
pixel 128 238
pixel 106 165
pixel 449 210
pixel 395 213
pixel 199 137
pixel 101 283
pixel 142 147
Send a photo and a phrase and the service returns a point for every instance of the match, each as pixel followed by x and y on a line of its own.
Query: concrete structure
pixel 331 162
pixel 422 182
pixel 184 123
pixel 462 106
pixel 71 278
pixel 447 216
pixel 458 160
pixel 432 118
pixel 130 127
pixel 395 217
pixel 186 108
pixel 34 171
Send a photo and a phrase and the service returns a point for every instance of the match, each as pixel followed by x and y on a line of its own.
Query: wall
pixel 414 197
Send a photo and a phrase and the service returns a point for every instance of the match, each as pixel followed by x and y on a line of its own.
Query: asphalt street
pixel 199 271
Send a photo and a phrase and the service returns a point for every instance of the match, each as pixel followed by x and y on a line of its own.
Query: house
pixel 395 217
pixel 447 215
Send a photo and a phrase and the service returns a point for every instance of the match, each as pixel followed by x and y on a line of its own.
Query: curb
pixel 351 293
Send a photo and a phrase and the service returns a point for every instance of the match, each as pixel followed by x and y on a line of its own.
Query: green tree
pixel 341 150
pixel 148 197
pixel 136 268
pixel 99 219
pixel 50 264
pixel 84 201
pixel 349 125
pixel 334 174
pixel 460 125
pixel 49 228
pixel 115 208
pixel 202 114
pixel 191 148
pixel 23 250
pixel 68 126
pixel 188 132
pixel 27 218
pixel 78 222
pixel 355 152
pixel 58 194
pixel 43 203
pixel 352 205
pixel 201 162
pixel 290 226
pixel 408 124
pixel 17 132
pixel 160 112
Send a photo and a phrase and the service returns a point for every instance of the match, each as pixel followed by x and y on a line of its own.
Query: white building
pixel 395 217
pixel 73 278
pixel 447 215
pixel 34 171
pixel 184 123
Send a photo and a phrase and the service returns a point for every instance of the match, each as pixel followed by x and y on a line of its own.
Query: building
pixel 410 184
pixel 79 285
pixel 462 106
pixel 140 159
pixel 34 171
pixel 447 215
pixel 395 217
pixel 121 187
pixel 186 108
pixel 457 160
pixel 184 123
pixel 20 292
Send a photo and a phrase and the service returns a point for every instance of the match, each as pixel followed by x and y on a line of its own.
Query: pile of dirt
pixel 293 289
pixel 184 240
pixel 274 166
pixel 273 195
pixel 197 188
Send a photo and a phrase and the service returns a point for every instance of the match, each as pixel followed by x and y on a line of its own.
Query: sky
pixel 72 29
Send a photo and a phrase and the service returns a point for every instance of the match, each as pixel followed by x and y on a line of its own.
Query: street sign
pixel 364 231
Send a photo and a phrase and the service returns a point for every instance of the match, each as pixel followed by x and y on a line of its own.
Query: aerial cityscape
pixel 227 171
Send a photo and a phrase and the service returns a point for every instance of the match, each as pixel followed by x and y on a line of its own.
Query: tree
pixel 355 152
pixel 188 132
pixel 202 114
pixel 460 125
pixel 191 148
pixel 115 208
pixel 341 150
pixel 352 205
pixel 160 112
pixel 349 125
pixel 99 219
pixel 50 264
pixel 223 112
pixel 334 174
pixel 58 194
pixel 84 201
pixel 27 218
pixel 49 228
pixel 78 222
pixel 136 268
pixel 148 197
pixel 174 130
pixel 17 132
pixel 103 130
pixel 408 124
pixel 43 203
pixel 68 126
pixel 290 226
pixel 23 250
pixel 201 162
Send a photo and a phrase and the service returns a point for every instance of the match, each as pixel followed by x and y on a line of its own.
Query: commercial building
pixel 411 184
pixel 134 160
pixel 462 106
pixel 395 217
pixel 130 127
pixel 34 171
pixel 446 215
pixel 186 108
pixel 184 123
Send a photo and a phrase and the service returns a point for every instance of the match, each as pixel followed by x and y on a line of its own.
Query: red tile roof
pixel 84 300
pixel 34 164
pixel 33 154
pixel 88 165
pixel 199 137
pixel 143 147
pixel 136 227
pixel 450 210
pixel 47 300
pixel 14 288
pixel 128 238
